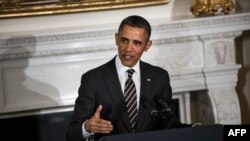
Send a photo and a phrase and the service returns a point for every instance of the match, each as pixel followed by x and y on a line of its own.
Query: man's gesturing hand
pixel 97 125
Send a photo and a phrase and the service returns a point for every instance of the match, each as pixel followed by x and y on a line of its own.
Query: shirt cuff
pixel 84 132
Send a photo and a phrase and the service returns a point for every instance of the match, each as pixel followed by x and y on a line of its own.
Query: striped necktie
pixel 130 99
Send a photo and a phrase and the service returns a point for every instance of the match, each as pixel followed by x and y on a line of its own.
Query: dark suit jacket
pixel 101 86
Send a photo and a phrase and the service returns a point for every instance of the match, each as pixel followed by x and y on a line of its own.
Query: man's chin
pixel 127 63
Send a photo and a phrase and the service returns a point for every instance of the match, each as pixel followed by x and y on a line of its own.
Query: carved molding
pixel 175 40
pixel 12 51
pixel 225 105
pixel 219 52
pixel 49 53
pixel 208 22
pixel 57 37
pixel 218 106
pixel 204 108
pixel 221 76
pixel 177 56
pixel 221 35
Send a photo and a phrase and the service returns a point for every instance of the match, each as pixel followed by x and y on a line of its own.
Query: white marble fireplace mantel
pixel 41 70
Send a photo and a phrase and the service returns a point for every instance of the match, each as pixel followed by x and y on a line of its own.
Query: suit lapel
pixel 145 91
pixel 112 82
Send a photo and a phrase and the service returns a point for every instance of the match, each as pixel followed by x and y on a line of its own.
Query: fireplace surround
pixel 40 71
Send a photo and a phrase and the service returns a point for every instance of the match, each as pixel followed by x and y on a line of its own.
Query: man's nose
pixel 129 47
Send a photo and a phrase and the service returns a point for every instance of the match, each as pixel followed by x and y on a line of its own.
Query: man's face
pixel 131 42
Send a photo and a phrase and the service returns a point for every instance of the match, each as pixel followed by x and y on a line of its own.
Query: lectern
pixel 199 133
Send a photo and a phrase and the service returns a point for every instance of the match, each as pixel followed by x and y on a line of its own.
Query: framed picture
pixel 19 8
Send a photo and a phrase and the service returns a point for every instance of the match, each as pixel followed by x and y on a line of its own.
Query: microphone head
pixel 146 103
pixel 162 102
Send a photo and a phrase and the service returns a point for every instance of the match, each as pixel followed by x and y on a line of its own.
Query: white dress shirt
pixel 123 76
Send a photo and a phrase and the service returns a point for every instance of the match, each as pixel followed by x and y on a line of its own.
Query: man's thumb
pixel 98 112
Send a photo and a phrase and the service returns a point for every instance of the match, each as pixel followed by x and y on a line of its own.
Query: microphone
pixel 167 117
pixel 162 102
pixel 149 106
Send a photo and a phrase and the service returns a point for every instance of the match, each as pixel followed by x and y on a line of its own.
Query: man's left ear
pixel 148 45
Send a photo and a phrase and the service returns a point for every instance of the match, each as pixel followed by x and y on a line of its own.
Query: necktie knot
pixel 130 73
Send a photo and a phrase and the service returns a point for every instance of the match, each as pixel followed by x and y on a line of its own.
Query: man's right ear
pixel 116 38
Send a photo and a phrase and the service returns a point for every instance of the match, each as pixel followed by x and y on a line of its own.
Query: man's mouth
pixel 127 57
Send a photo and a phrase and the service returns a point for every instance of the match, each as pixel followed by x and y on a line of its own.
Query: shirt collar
pixel 121 68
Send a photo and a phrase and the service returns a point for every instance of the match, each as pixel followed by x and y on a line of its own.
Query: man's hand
pixel 97 125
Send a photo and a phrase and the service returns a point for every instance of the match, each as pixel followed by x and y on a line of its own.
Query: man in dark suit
pixel 101 107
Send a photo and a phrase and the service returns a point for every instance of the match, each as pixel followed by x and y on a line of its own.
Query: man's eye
pixel 124 40
pixel 137 43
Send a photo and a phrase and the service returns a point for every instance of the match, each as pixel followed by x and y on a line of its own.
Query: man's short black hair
pixel 138 22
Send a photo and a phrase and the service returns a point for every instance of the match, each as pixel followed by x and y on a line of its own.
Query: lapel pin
pixel 148 79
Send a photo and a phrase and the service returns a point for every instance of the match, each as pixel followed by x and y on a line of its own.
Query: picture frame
pixel 21 8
